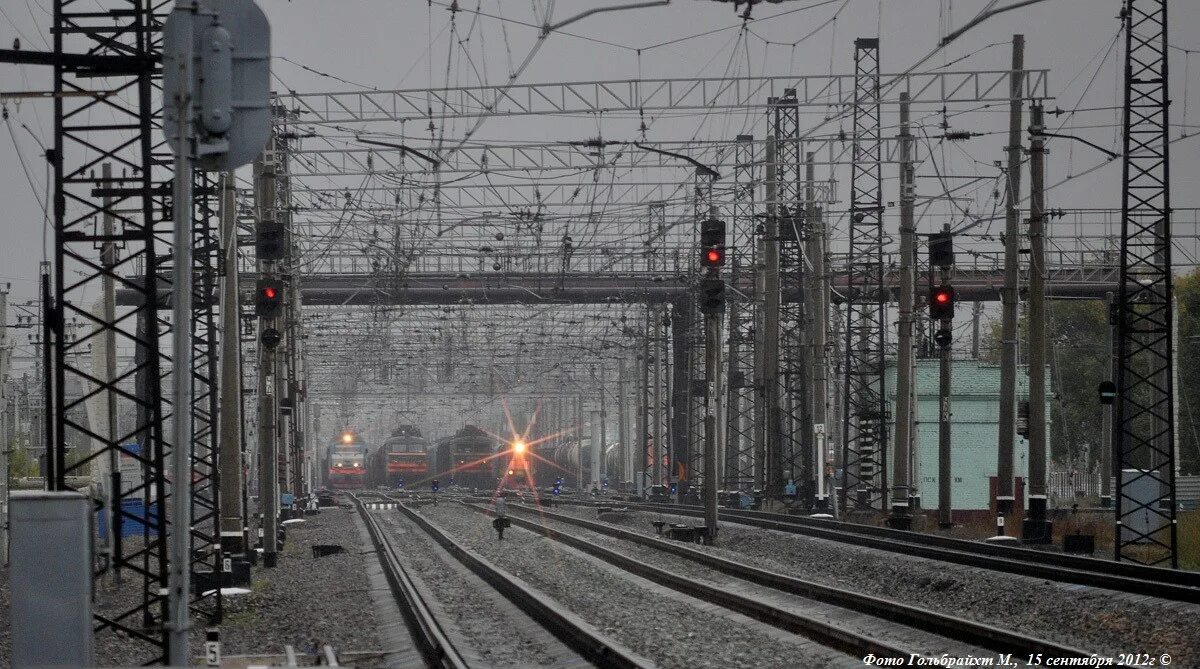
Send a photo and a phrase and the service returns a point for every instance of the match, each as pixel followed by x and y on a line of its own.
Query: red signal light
pixel 269 292
pixel 941 303
pixel 713 256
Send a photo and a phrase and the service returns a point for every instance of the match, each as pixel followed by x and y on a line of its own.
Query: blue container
pixel 133 519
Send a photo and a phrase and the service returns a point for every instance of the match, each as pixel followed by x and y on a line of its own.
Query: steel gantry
pixel 1144 446
pixel 864 447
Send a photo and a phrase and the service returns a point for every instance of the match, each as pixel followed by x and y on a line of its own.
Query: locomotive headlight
pixel 347 438
pixel 519 446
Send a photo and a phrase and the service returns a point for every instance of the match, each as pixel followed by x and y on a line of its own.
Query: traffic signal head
pixel 943 338
pixel 268 298
pixel 941 250
pixel 434 485
pixel 269 240
pixel 941 303
pixel 270 338
pixel 712 244
pixel 712 295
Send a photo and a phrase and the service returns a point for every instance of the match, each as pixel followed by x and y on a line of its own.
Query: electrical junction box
pixel 51 579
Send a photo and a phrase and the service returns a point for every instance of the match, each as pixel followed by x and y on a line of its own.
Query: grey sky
pixel 387 43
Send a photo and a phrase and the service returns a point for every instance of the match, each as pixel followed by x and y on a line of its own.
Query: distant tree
pixel 1187 359
pixel 1077 353
pixel 1077 334
pixel 21 464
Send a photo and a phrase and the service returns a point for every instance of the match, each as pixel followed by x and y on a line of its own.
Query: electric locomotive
pixel 514 466
pixel 466 458
pixel 345 464
pixel 402 459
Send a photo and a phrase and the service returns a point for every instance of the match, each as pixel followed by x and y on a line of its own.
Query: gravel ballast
pixel 1090 619
pixel 494 629
pixel 303 601
pixel 673 630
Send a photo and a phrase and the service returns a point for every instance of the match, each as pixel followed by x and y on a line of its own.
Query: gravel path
pixel 673 630
pixel 306 601
pixel 495 630
pixel 1091 619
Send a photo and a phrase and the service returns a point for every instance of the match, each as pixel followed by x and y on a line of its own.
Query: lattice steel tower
pixel 795 457
pixel 865 419
pixel 742 315
pixel 1145 434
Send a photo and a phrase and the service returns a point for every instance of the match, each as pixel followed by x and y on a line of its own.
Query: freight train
pixel 345 462
pixel 402 459
pixel 566 457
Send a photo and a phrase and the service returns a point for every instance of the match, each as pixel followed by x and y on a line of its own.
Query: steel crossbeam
pixel 647 95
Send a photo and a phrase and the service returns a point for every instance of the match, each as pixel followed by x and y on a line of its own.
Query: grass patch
pixel 1189 539
pixel 239 619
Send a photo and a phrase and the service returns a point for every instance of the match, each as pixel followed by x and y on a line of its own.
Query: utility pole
pixel 622 427
pixel 900 517
pixel 1009 296
pixel 1036 529
pixel 660 361
pixel 268 470
pixel 1106 426
pixel 598 472
pixel 642 429
pixel 976 312
pixel 597 445
pixel 579 440
pixel 108 258
pixel 5 424
pixel 810 292
pixel 713 408
pixel 180 560
pixel 820 362
pixel 233 523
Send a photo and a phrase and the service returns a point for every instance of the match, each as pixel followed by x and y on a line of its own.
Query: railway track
pixel 851 622
pixel 592 647
pixel 432 638
pixel 1170 584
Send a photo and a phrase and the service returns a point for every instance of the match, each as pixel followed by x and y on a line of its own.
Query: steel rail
pixel 825 633
pixel 435 644
pixel 1126 577
pixel 572 630
pixel 958 629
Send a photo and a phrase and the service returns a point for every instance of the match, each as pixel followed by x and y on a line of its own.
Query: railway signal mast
pixel 215 52
pixel 712 306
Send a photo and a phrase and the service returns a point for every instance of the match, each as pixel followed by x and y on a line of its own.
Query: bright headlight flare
pixel 519 446
pixel 347 437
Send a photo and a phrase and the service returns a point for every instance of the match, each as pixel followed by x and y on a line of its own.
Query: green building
pixel 975 428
